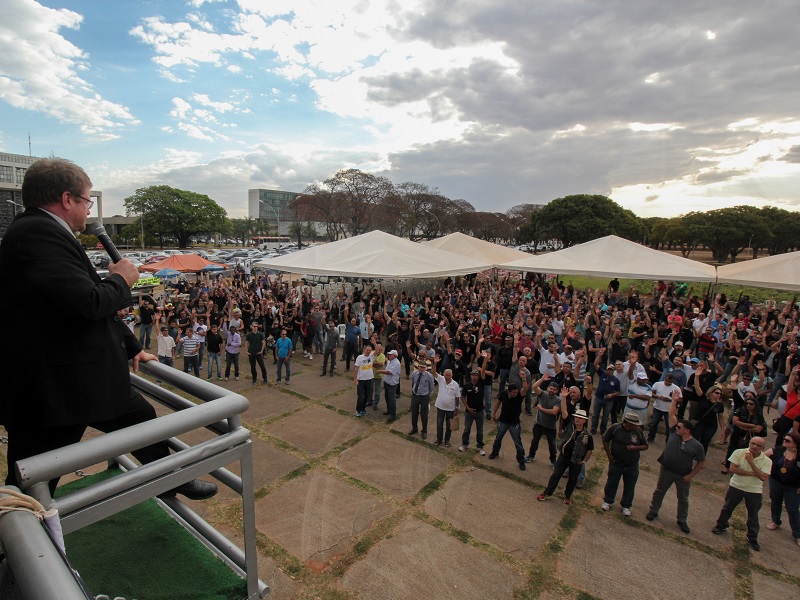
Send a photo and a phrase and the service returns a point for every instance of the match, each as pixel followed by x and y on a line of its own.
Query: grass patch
pixel 288 563
pixel 382 530
pixel 433 485
pixel 646 286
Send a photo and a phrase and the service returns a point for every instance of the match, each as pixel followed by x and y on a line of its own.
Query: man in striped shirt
pixel 191 351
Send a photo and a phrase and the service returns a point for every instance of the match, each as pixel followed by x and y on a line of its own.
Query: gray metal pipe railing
pixel 68 459
pixel 220 413
pixel 38 567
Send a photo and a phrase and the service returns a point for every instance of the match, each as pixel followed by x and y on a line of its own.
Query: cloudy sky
pixel 666 107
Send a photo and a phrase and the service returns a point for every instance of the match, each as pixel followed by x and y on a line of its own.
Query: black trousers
pixel 28 439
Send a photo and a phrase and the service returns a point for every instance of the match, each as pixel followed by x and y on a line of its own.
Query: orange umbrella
pixel 185 263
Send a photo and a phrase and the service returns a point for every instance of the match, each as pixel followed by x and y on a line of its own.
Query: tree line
pixel 353 202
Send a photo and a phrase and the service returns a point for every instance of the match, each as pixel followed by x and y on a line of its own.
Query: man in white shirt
pixel 166 346
pixel 362 377
pixel 662 398
pixel 391 381
pixel 446 402
pixel 201 330
pixel 639 394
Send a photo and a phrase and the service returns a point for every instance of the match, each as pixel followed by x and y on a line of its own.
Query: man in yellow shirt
pixel 750 468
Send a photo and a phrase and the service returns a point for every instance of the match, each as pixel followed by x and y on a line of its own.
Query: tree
pixel 326 206
pixel 650 224
pixel 685 232
pixel 580 218
pixel 728 231
pixel 785 229
pixel 180 214
pixel 358 194
pixel 244 229
pixel 300 229
pixel 427 212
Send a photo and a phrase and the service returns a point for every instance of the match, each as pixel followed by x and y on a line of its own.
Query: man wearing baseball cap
pixel 460 367
pixel 421 388
pixel 623 442
pixel 391 382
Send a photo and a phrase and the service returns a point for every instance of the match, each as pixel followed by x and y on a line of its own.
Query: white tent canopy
pixel 613 256
pixel 376 255
pixel 781 271
pixel 466 245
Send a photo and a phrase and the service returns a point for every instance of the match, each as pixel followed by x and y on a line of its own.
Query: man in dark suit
pixel 75 380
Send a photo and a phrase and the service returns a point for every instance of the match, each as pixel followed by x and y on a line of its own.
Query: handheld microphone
pixel 97 230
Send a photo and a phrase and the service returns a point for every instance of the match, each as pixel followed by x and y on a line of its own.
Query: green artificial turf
pixel 142 553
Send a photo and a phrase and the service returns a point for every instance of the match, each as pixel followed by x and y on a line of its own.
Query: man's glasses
pixel 89 201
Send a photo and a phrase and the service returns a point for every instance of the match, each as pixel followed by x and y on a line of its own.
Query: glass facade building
pixel 273 207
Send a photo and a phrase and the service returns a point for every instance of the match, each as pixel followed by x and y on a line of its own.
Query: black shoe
pixel 754 545
pixel 412 432
pixel 651 439
pixel 718 530
pixel 323 374
pixel 424 435
pixel 493 455
pixel 254 381
pixel 386 413
pixel 390 420
pixel 195 490
pixel 684 527
pixel 522 465
pixel 651 516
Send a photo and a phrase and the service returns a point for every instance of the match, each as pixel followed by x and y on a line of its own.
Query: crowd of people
pixel 694 368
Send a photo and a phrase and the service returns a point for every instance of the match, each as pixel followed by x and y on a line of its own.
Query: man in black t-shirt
pixel 472 400
pixel 146 314
pixel 214 345
pixel 506 411
pixel 623 443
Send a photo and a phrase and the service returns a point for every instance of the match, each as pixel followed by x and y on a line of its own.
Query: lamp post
pixel 296 222
pixel 438 222
pixel 277 216
pixel 16 205
pixel 510 226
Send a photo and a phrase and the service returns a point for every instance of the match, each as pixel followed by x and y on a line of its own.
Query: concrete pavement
pixel 353 507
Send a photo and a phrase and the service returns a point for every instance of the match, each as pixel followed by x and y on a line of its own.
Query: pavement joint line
pixel 539 578
pixel 466 538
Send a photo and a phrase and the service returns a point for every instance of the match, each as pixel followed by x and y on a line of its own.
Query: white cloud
pixel 39 71
pixel 669 107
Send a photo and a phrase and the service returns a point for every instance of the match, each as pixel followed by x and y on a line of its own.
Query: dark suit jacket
pixel 65 351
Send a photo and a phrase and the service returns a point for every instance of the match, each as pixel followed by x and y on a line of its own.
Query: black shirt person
pixel 84 380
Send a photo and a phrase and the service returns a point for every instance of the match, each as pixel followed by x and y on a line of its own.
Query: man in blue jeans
pixel 623 443
pixel 472 399
pixel 506 411
pixel 391 381
pixel 284 350
pixel 607 389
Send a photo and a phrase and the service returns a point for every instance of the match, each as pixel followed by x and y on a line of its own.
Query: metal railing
pixel 218 412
